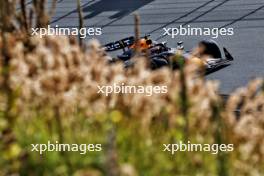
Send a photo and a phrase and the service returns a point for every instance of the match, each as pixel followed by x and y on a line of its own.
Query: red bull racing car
pixel 206 54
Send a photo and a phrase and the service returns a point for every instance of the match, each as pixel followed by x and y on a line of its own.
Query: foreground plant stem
pixel 53 9
pixel 41 16
pixel 8 137
pixel 184 97
pixel 221 157
pixel 59 126
pixel 81 23
pixel 137 34
pixel 24 15
pixel 111 155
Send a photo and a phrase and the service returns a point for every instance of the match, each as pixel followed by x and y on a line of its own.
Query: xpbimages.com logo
pixel 190 147
pixel 58 147
pixel 197 31
pixel 129 89
pixel 62 31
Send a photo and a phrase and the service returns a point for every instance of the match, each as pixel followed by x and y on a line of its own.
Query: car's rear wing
pixel 121 44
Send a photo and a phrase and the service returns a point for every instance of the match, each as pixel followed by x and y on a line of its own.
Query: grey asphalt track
pixel 245 16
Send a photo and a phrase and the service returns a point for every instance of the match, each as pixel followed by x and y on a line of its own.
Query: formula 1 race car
pixel 207 53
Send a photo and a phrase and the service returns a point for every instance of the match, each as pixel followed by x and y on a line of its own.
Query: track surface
pixel 246 17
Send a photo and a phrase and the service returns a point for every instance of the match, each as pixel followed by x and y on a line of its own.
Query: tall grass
pixel 49 92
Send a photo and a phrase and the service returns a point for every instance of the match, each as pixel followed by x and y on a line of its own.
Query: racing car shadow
pixel 122 7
